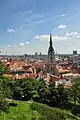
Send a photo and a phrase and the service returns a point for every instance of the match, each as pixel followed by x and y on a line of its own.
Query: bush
pixel 13 104
pixel 3 103
pixel 76 110
pixel 49 113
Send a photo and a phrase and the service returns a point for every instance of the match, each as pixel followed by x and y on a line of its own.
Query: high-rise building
pixel 40 54
pixel 36 54
pixel 75 52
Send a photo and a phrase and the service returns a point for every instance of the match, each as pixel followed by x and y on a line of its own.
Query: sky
pixel 25 26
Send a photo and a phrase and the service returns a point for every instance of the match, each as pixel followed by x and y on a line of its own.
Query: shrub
pixel 13 104
pixel 3 103
pixel 49 113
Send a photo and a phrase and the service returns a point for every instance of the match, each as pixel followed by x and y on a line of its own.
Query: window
pixel 51 58
pixel 51 69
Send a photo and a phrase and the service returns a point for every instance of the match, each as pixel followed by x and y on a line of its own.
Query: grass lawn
pixel 35 111
pixel 21 112
pixel 76 81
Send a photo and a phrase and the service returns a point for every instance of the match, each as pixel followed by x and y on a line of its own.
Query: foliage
pixel 35 111
pixel 3 103
pixel 37 90
pixel 4 83
pixel 76 110
pixel 49 113
pixel 33 89
pixel 76 81
pixel 19 89
pixel 3 94
pixel 21 112
pixel 75 96
pixel 38 70
pixel 58 96
pixel 3 68
pixel 74 93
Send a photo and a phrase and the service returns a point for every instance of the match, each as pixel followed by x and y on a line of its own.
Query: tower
pixel 51 59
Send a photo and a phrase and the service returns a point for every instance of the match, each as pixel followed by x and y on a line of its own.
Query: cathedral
pixel 51 64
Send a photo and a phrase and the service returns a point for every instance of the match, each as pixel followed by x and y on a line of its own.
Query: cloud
pixel 64 14
pixel 11 30
pixel 27 42
pixel 60 16
pixel 62 26
pixel 1 51
pixel 46 37
pixel 51 18
pixel 22 40
pixel 28 12
pixel 78 36
pixel 72 34
pixel 59 27
pixel 18 46
pixel 9 46
pixel 21 44
pixel 36 37
pixel 39 19
pixel 15 46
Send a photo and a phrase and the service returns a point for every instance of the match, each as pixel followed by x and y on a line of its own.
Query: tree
pixel 62 97
pixel 3 68
pixel 3 103
pixel 74 93
pixel 26 87
pixel 5 83
pixel 58 96
pixel 38 70
pixel 78 94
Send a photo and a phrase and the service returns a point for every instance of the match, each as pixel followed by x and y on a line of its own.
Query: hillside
pixel 35 111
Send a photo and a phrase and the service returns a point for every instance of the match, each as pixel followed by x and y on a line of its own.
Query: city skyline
pixel 25 26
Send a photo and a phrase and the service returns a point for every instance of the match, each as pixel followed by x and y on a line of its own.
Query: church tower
pixel 51 59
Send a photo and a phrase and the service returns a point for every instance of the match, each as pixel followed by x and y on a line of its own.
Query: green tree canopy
pixel 3 68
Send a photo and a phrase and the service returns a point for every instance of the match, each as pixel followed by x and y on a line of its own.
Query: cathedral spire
pixel 50 39
pixel 50 47
pixel 51 58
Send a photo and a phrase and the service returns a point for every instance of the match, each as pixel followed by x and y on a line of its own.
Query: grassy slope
pixel 35 111
pixel 49 113
pixel 21 112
